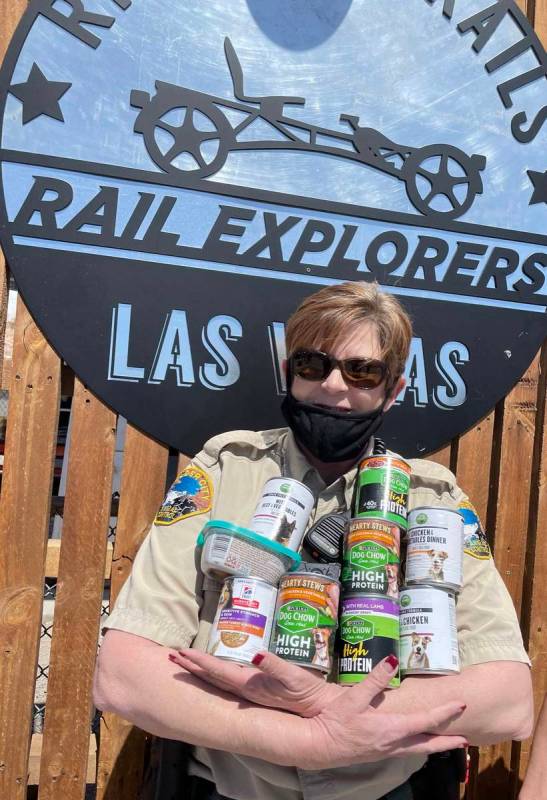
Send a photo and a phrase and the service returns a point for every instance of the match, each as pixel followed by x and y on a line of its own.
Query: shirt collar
pixel 297 466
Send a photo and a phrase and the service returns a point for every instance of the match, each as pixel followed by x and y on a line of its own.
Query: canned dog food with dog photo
pixel 383 484
pixel 371 558
pixel 435 547
pixel 243 621
pixel 429 639
pixel 283 511
pixel 369 632
pixel 306 618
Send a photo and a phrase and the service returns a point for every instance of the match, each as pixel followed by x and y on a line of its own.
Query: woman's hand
pixel 271 682
pixel 349 730
pixel 342 727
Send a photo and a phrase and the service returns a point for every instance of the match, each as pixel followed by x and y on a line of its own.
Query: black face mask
pixel 331 435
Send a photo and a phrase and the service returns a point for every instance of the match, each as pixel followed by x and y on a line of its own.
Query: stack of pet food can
pixel 251 561
pixel 434 562
pixel 369 619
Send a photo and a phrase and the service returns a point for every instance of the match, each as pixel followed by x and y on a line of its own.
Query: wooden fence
pixel 501 463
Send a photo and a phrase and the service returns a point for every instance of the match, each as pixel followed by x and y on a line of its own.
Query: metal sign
pixel 177 177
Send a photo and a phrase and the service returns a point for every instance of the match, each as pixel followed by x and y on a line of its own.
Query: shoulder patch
pixel 191 494
pixel 475 542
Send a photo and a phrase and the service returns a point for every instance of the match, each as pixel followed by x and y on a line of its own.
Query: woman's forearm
pixel 157 696
pixel 498 695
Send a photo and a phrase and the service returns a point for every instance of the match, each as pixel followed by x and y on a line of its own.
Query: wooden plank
pixel 510 492
pixel 11 14
pixel 183 462
pixel 54 552
pixel 9 18
pixel 473 463
pixel 472 470
pixel 3 315
pixel 517 446
pixel 63 766
pixel 122 746
pixel 540 20
pixel 36 755
pixel 442 456
pixel 24 522
pixel 534 616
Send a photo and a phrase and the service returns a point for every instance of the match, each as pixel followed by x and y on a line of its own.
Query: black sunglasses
pixel 313 365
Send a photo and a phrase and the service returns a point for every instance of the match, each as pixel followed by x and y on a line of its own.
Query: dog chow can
pixel 306 618
pixel 244 618
pixel 369 631
pixel 435 547
pixel 283 512
pixel 429 641
pixel 382 489
pixel 371 558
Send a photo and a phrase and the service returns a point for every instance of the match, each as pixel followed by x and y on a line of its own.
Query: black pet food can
pixel 383 483
pixel 369 632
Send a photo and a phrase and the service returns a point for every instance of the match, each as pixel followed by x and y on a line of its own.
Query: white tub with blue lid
pixel 229 549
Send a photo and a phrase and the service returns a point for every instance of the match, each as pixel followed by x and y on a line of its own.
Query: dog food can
pixel 371 558
pixel 243 621
pixel 435 547
pixel 283 512
pixel 382 489
pixel 429 640
pixel 369 632
pixel 306 618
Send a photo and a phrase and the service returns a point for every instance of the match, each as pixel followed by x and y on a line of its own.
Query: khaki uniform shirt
pixel 168 599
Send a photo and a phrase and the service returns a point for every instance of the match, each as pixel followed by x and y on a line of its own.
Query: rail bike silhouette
pixel 187 132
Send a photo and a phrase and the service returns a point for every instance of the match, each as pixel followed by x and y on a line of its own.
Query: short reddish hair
pixel 323 317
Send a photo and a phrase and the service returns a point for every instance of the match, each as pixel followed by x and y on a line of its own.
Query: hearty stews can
pixel 244 618
pixel 369 632
pixel 306 618
pixel 371 558
pixel 382 489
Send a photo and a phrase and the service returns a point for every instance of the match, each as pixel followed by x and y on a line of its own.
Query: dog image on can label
pixel 369 632
pixel 243 620
pixel 429 641
pixel 283 511
pixel 306 618
pixel 371 558
pixel 435 547
pixel 383 484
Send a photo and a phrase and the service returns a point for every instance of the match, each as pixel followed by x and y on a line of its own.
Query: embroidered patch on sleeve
pixel 475 542
pixel 191 494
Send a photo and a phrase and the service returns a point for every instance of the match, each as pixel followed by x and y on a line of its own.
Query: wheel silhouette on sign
pixel 186 132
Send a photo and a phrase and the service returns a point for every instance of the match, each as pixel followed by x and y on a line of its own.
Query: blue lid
pixel 250 536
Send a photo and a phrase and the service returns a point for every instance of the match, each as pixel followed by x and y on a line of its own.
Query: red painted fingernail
pixel 258 659
pixel 462 708
pixel 393 661
pixel 171 657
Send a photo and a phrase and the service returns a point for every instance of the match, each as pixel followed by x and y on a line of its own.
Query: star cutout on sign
pixel 39 95
pixel 539 182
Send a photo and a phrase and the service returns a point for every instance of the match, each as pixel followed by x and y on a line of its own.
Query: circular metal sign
pixel 176 177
